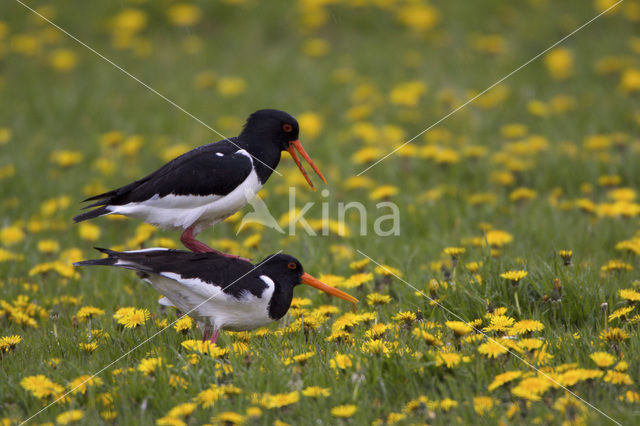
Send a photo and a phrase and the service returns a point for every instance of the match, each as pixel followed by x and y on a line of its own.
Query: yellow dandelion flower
pixel 388 271
pixel 63 60
pixel 418 16
pixel 404 317
pixel 629 294
pixel 621 312
pixel 304 357
pixel 70 416
pixel 483 404
pixel 408 94
pixel 344 411
pixel 365 155
pixel 492 349
pixel 530 344
pixel 65 158
pixel 383 192
pixel 88 231
pixel 315 48
pixel 531 388
pixel 316 392
pixel 499 323
pixel 459 328
pixel 374 299
pixel 41 387
pixel 280 400
pixel 81 383
pixel 559 63
pixel 616 265
pixel 447 404
pixel 630 80
pixel 88 347
pixel 183 325
pixel 229 418
pixel 182 410
pixel 504 378
pixel 357 280
pixel 526 326
pixel 614 334
pixel 11 235
pixel 48 246
pixel 231 86
pixel 5 135
pixel 617 378
pixel 134 318
pixel 514 276
pixel 87 312
pixel 448 359
pixel 454 252
pixel 8 343
pixel 340 362
pixel 148 366
pixel 429 338
pixel 312 124
pixel 497 238
pixel 522 194
pixel 184 14
pixel 602 359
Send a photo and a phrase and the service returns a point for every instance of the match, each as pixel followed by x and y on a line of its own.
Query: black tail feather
pixel 100 211
pixel 101 196
pixel 105 261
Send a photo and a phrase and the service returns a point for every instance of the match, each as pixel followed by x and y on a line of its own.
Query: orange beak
pixel 314 282
pixel 296 144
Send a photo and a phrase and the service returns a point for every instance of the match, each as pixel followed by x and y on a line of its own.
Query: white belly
pixel 209 304
pixel 182 211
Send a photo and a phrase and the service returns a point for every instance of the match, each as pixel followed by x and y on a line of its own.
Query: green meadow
pixel 509 295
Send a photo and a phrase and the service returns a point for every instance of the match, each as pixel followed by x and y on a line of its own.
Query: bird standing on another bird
pixel 219 292
pixel 210 183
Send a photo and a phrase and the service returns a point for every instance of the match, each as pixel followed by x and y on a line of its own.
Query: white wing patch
pixel 209 303
pixel 203 211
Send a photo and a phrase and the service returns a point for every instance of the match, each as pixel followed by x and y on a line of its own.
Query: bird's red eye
pixel 292 265
pixel 287 127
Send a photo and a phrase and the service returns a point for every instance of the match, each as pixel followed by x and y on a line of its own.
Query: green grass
pixel 47 110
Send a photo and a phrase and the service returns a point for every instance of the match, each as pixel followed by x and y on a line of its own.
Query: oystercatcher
pixel 208 184
pixel 219 292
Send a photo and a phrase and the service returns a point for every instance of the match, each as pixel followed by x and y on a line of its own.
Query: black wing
pixel 214 169
pixel 235 276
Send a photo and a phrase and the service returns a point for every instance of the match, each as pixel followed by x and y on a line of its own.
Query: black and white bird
pixel 210 183
pixel 219 292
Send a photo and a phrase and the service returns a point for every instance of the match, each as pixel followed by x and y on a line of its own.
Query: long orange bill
pixel 296 144
pixel 314 282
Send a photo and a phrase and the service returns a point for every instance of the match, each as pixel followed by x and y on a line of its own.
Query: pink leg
pixel 214 336
pixel 205 333
pixel 196 246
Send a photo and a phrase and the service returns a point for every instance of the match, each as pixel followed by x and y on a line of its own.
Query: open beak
pixel 314 282
pixel 296 144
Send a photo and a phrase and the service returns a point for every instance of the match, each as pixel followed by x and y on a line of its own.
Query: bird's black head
pixel 271 126
pixel 266 134
pixel 286 272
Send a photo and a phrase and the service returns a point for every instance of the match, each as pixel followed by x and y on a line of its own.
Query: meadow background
pixel 519 213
